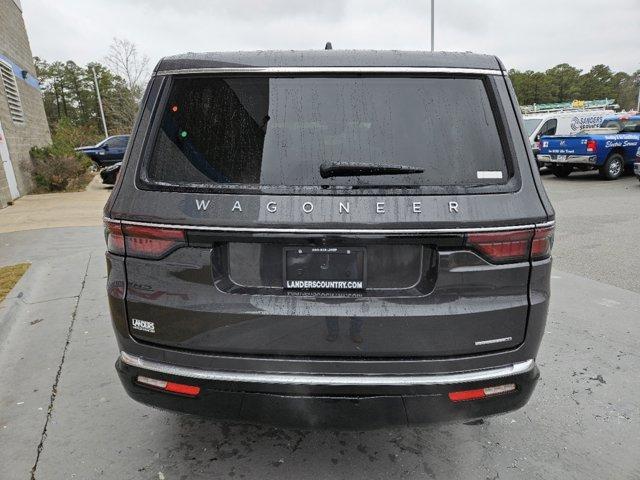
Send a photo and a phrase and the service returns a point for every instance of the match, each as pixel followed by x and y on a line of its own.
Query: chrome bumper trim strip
pixel 328 380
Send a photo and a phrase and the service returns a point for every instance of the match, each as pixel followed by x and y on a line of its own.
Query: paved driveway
pixel 50 210
pixel 63 413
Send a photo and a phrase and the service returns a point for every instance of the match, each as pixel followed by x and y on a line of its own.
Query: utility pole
pixel 104 122
pixel 432 22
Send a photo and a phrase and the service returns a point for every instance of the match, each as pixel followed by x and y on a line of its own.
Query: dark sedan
pixel 109 175
pixel 107 152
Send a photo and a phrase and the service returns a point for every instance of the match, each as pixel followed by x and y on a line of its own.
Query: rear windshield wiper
pixel 346 169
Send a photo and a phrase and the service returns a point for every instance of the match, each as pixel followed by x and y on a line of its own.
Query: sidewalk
pixel 75 209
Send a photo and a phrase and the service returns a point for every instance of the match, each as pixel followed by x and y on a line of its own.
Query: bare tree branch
pixel 126 62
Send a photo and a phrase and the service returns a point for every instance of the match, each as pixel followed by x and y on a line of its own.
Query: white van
pixel 564 122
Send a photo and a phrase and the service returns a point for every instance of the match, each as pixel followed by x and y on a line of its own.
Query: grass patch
pixel 9 276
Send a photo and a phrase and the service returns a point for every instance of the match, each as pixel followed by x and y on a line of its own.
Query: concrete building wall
pixel 20 137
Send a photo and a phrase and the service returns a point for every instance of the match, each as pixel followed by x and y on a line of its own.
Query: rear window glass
pixel 283 131
pixel 623 125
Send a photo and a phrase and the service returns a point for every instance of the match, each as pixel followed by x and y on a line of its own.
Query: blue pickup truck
pixel 610 148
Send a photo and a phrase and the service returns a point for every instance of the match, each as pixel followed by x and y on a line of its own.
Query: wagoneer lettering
pixel 343 239
pixel 343 207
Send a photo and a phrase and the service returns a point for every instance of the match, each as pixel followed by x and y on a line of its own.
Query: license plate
pixel 324 268
pixel 561 158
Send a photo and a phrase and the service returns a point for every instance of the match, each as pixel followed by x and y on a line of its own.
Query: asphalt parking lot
pixel 63 413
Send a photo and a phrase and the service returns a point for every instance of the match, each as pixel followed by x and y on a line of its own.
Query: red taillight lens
pixel 542 243
pixel 151 242
pixel 591 146
pixel 500 247
pixel 114 237
pixel 142 241
pixel 513 246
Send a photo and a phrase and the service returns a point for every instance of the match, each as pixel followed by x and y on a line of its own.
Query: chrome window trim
pixel 225 70
pixel 328 380
pixel 378 231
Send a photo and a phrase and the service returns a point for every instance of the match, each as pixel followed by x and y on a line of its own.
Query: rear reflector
pixel 189 390
pixel 142 241
pixel 479 393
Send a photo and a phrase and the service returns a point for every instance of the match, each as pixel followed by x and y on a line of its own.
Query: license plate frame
pixel 324 268
pixel 561 158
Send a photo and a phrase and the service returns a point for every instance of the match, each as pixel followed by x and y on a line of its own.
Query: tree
pixel 563 82
pixel 531 87
pixel 597 83
pixel 127 63
pixel 69 94
pixel 625 88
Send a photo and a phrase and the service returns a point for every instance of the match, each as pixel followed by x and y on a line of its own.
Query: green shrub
pixel 58 167
pixel 58 173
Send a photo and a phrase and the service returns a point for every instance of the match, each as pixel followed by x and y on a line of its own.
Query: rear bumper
pixel 583 159
pixel 329 401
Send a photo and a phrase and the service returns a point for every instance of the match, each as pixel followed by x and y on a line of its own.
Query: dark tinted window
pixel 549 128
pixel 118 142
pixel 623 125
pixel 278 131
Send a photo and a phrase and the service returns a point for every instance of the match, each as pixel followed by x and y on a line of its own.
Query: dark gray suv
pixel 344 239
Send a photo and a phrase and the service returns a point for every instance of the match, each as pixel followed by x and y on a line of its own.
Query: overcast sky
pixel 525 35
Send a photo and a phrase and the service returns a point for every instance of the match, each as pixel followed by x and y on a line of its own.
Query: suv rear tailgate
pixel 426 296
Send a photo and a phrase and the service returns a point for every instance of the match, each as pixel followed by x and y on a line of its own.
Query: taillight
pixel 542 243
pixel 151 242
pixel 114 237
pixel 501 247
pixel 142 241
pixel 591 146
pixel 513 245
